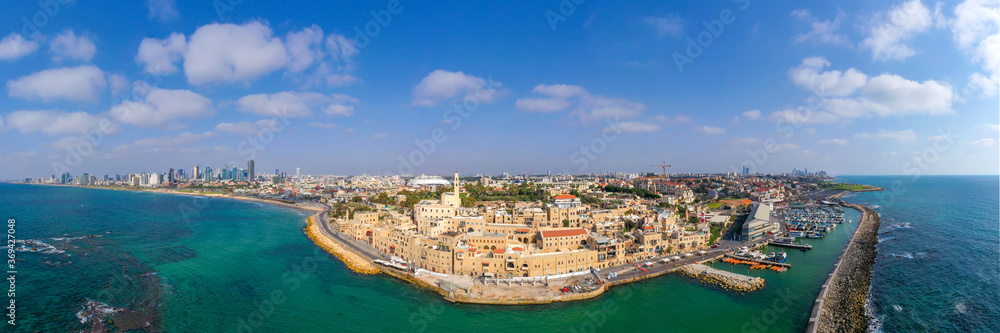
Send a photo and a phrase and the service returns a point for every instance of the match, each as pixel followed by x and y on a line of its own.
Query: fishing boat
pixel 815 235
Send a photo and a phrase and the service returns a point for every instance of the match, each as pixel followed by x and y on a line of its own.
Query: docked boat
pixel 796 234
pixel 815 235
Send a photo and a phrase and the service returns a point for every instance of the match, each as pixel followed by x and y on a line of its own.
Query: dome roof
pixel 428 181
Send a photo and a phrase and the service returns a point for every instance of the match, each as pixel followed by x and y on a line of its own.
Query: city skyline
pixel 372 88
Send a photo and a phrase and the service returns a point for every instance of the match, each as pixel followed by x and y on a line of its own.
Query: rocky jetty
pixel 724 279
pixel 843 301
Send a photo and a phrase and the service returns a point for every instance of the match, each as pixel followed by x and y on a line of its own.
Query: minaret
pixel 456 189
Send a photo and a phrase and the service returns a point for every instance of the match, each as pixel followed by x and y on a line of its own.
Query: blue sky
pixel 902 87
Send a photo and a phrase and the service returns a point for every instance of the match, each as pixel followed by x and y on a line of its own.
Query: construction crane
pixel 664 166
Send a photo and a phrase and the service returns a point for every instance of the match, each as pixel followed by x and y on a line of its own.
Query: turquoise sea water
pixel 215 265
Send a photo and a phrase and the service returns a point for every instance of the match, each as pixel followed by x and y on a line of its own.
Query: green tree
pixel 565 223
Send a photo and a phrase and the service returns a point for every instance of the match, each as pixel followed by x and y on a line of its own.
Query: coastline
pixel 194 193
pixel 840 305
pixel 353 261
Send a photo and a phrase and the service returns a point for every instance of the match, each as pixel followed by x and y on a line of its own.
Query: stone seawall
pixel 353 261
pixel 840 306
pixel 724 279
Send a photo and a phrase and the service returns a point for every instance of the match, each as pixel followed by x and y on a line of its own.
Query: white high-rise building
pixel 297 174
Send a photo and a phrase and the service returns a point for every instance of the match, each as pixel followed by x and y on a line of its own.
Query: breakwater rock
pixel 842 307
pixel 724 279
pixel 353 261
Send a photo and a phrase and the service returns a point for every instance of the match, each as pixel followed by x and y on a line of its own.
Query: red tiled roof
pixel 518 249
pixel 564 232
pixel 523 230
pixel 498 251
pixel 565 196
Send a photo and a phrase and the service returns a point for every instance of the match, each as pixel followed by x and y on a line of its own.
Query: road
pixel 628 271
pixel 357 246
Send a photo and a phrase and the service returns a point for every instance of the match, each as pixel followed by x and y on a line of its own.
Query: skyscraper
pixel 297 174
pixel 194 174
pixel 250 174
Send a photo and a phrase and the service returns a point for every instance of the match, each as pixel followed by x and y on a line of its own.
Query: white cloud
pixel 855 95
pixel 974 21
pixel 159 55
pixel 163 10
pixel 984 142
pixel 752 114
pixel 67 45
pixel 14 46
pixel 81 84
pixel 785 146
pixel 976 30
pixel 342 50
pixel 119 84
pixel 329 126
pixel 243 128
pixel 821 31
pixel 800 13
pixel 339 110
pixel 838 142
pixel 890 30
pixel 560 90
pixel 803 116
pixel 587 106
pixel 441 85
pixel 989 127
pixel 295 104
pixel 828 83
pixel 304 48
pixel 227 53
pixel 231 53
pixel 986 85
pixel 893 95
pixel 905 136
pixel 636 127
pixel 337 80
pixel 542 105
pixel 679 119
pixel 55 122
pixel 162 108
pixel 709 130
pixel 668 25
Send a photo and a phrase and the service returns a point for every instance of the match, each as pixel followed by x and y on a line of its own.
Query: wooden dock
pixel 779 264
